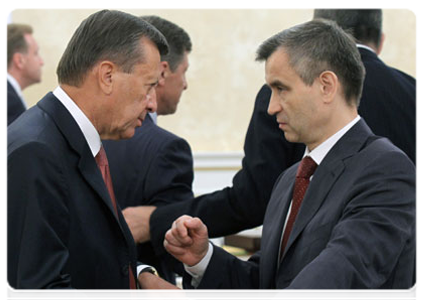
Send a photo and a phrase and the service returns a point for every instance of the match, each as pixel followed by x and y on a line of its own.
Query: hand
pixel 138 220
pixel 187 240
pixel 155 288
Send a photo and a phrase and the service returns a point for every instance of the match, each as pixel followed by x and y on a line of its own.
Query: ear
pixel 382 40
pixel 106 75
pixel 329 85
pixel 18 60
pixel 164 73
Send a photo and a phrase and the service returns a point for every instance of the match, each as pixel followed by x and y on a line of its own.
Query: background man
pixel 65 229
pixel 23 67
pixel 155 166
pixel 348 221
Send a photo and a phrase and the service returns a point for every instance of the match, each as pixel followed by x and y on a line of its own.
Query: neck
pixel 19 78
pixel 80 95
pixel 332 125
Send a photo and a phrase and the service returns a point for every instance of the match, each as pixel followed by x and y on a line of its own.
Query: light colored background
pixel 223 78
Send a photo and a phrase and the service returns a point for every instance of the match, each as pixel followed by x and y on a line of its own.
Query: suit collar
pixel 13 85
pixel 367 54
pixel 326 175
pixel 88 130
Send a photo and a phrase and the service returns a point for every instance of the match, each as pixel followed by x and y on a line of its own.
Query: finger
pixel 174 250
pixel 196 226
pixel 171 239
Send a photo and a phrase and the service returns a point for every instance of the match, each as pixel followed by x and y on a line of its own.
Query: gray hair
pixel 318 46
pixel 106 35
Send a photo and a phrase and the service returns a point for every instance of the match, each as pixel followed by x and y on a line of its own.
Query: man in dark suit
pixel 65 229
pixel 155 167
pixel 345 216
pixel 388 103
pixel 267 153
pixel 23 67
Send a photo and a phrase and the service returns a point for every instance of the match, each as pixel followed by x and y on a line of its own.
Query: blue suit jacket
pixel 62 228
pixel 355 228
pixel 154 167
pixel 15 106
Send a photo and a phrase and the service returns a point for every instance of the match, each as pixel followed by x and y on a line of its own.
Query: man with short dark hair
pixel 23 67
pixel 391 98
pixel 65 229
pixel 343 218
pixel 155 166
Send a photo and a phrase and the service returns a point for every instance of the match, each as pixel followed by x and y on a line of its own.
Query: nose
pixel 152 101
pixel 274 106
pixel 185 83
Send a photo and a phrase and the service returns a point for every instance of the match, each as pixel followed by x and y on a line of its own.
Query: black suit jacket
pixel 62 229
pixel 15 106
pixel 355 228
pixel 388 103
pixel 154 167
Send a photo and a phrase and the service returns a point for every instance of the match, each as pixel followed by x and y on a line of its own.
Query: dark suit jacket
pixel 15 106
pixel 242 206
pixel 388 103
pixel 154 167
pixel 62 229
pixel 391 107
pixel 355 228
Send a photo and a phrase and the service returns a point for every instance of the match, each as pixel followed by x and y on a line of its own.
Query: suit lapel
pixel 73 134
pixel 272 227
pixel 326 175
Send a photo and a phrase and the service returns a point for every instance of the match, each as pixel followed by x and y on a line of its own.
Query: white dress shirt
pixel 318 154
pixel 88 130
pixel 17 88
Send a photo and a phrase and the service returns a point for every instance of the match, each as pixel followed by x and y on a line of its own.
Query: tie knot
pixel 306 168
pixel 101 157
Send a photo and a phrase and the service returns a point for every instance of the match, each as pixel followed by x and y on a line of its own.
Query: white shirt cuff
pixel 197 271
pixel 140 268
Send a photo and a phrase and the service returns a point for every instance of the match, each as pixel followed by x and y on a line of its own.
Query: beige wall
pixel 223 77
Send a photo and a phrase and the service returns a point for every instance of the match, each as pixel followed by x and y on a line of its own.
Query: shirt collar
pixel 319 153
pixel 88 130
pixel 16 87
pixel 365 47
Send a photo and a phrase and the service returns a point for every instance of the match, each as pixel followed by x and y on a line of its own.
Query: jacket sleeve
pixel 226 271
pixel 170 175
pixel 243 205
pixel 38 219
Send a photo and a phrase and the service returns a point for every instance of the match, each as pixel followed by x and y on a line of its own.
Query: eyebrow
pixel 278 83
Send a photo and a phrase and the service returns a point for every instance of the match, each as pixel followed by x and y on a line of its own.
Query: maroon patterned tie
pixel 302 180
pixel 103 165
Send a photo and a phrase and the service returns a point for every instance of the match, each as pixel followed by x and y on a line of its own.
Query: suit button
pixel 125 270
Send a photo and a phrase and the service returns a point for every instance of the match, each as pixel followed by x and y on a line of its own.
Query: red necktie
pixel 103 165
pixel 302 180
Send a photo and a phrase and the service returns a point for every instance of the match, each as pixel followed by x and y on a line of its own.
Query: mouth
pixel 282 124
pixel 139 122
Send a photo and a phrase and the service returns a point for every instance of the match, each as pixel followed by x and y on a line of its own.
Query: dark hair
pixel 106 35
pixel 318 46
pixel 16 40
pixel 364 24
pixel 177 38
